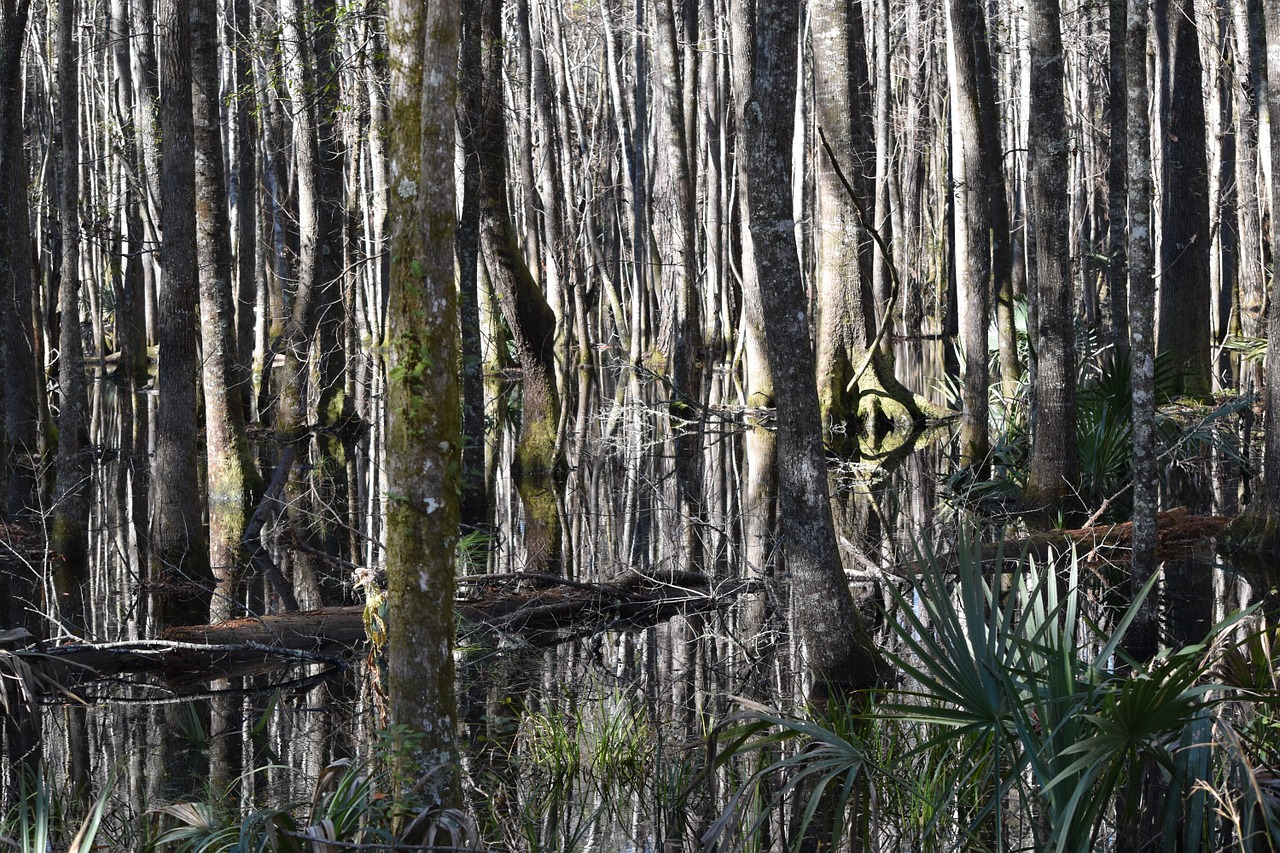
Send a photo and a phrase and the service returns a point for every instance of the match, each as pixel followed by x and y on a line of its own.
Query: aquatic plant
pixel 1021 722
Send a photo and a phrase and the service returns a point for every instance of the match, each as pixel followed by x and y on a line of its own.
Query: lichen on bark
pixel 423 409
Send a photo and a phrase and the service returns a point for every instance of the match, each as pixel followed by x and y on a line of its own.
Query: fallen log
pixel 508 606
pixel 1178 535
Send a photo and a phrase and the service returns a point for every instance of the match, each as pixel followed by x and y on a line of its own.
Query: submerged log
pixel 506 606
pixel 1179 535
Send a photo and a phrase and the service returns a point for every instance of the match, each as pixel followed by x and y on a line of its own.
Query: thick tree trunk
pixel 979 192
pixel 69 531
pixel 841 653
pixel 424 428
pixel 1185 238
pixel 232 478
pixel 21 407
pixel 180 579
pixel 849 358
pixel 537 469
pixel 1054 464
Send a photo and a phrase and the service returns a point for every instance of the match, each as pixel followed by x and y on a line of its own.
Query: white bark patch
pixel 430 505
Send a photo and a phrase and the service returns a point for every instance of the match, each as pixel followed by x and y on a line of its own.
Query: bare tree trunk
pixel 1144 633
pixel 424 442
pixel 1054 464
pixel 537 470
pixel 841 653
pixel 1185 239
pixel 979 187
pixel 849 358
pixel 21 408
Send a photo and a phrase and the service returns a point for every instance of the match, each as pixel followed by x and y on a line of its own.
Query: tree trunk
pixel 424 438
pixel 21 407
pixel 1185 238
pixel 841 653
pixel 69 534
pixel 181 581
pixel 1054 464
pixel 979 188
pixel 232 478
pixel 537 467
pixel 1144 633
pixel 849 359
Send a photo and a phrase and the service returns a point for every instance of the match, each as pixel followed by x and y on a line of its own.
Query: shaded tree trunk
pixel 537 468
pixel 180 581
pixel 1054 464
pixel 1185 239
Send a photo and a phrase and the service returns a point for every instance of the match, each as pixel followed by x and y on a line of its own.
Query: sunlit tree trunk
pixel 231 477
pixel 849 358
pixel 424 428
pixel 1054 465
pixel 979 187
pixel 841 654
pixel 1140 252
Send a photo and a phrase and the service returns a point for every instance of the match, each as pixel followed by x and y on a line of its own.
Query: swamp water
pixel 601 733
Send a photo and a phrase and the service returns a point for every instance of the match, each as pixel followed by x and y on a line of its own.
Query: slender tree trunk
pixel 424 439
pixel 1144 633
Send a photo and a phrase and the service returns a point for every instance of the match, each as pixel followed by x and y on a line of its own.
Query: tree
pixel 849 358
pixel 232 478
pixel 181 580
pixel 424 439
pixel 1141 289
pixel 17 339
pixel 1054 463
pixel 982 216
pixel 1257 529
pixel 537 469
pixel 841 653
pixel 1185 242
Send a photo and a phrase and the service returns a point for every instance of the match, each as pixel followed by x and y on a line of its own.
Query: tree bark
pixel 1185 238
pixel 424 427
pixel 1144 632
pixel 537 469
pixel 181 581
pixel 232 479
pixel 979 189
pixel 69 532
pixel 841 653
pixel 1054 463
pixel 849 360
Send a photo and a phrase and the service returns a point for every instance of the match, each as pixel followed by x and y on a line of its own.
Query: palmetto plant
pixel 1033 730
